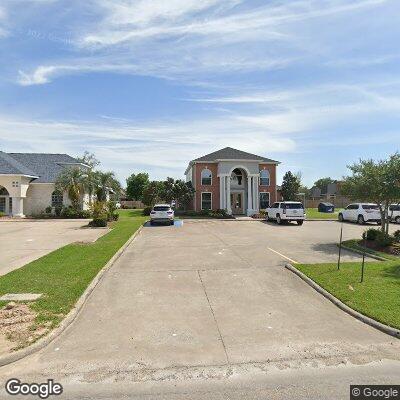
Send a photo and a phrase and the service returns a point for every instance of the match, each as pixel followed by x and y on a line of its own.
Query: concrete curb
pixel 361 317
pixel 40 344
pixel 361 253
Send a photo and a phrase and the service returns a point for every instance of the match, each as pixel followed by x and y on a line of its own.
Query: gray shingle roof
pixel 229 153
pixel 46 167
pixel 9 165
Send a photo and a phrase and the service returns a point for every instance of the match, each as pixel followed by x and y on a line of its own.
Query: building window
pixel 206 177
pixel 15 184
pixel 56 199
pixel 206 201
pixel 264 177
pixel 264 200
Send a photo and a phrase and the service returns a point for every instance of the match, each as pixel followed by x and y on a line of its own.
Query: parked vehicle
pixel 394 213
pixel 286 211
pixel 118 205
pixel 162 213
pixel 361 213
pixel 326 207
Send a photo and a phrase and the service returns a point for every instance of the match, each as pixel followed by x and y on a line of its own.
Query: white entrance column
pixel 249 196
pixel 255 194
pixel 228 195
pixel 221 192
pixel 18 207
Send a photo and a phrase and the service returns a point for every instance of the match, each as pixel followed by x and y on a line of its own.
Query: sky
pixel 148 85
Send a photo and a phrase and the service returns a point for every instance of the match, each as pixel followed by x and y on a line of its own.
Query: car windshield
pixel 161 208
pixel 292 206
pixel 370 207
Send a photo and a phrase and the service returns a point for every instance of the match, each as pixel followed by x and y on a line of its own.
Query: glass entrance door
pixel 3 205
pixel 237 203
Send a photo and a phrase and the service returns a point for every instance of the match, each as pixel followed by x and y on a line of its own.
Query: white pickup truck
pixel 286 211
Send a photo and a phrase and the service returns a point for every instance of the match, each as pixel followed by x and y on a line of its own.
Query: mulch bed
pixel 371 244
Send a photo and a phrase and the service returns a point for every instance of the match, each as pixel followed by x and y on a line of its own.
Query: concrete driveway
pixel 210 301
pixel 24 241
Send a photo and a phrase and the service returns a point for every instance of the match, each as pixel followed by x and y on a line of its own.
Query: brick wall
pixel 271 189
pixel 213 188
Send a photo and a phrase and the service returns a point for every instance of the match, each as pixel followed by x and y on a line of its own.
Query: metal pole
pixel 363 259
pixel 340 245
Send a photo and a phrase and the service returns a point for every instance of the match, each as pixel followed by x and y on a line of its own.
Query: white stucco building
pixel 27 182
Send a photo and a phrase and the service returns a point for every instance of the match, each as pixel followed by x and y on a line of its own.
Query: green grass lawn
pixel 63 275
pixel 377 297
pixel 313 213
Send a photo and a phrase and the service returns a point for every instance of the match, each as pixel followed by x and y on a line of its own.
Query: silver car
pixel 162 213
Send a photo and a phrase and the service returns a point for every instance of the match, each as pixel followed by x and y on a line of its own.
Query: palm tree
pixel 72 181
pixel 106 181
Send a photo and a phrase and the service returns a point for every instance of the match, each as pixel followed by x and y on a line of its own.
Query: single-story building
pixel 27 182
pixel 233 180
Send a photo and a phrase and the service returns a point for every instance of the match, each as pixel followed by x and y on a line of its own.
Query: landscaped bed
pixel 63 275
pixel 376 297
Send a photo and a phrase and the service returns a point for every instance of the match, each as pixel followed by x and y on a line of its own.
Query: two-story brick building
pixel 230 179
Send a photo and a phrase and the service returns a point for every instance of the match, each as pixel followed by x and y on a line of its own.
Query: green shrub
pixel 48 210
pixel 370 234
pixel 146 211
pixel 98 222
pixel 384 240
pixel 396 235
pixel 57 210
pixel 2 214
pixel 69 212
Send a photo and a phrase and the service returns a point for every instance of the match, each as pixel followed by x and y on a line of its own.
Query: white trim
pixel 201 200
pixel 27 176
pixel 201 177
pixel 238 167
pixel 269 178
pixel 259 199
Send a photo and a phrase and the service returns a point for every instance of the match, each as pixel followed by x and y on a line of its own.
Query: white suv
pixel 394 213
pixel 361 213
pixel 162 213
pixel 286 211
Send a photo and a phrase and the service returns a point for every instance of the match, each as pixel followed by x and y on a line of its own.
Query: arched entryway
pixel 238 192
pixel 5 201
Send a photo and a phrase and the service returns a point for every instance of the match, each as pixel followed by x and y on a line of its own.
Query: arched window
pixel 237 176
pixel 264 177
pixel 206 177
pixel 3 191
pixel 56 199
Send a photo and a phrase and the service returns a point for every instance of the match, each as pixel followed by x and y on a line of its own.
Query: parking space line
pixel 280 254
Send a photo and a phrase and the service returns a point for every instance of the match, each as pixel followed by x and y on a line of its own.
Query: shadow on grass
pixel 393 271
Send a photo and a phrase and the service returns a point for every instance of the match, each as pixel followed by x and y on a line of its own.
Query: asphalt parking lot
pixel 25 241
pixel 208 299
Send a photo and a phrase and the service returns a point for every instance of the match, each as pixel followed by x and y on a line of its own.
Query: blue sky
pixel 148 85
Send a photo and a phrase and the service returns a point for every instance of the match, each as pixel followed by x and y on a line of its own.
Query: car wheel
pixel 397 219
pixel 278 219
pixel 340 216
pixel 151 222
pixel 172 222
pixel 300 222
pixel 360 220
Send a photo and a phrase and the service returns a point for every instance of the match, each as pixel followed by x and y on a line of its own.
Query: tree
pixel 91 181
pixel 377 182
pixel 323 183
pixel 136 184
pixel 105 182
pixel 72 180
pixel 290 186
pixel 168 190
pixel 184 193
pixel 152 193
